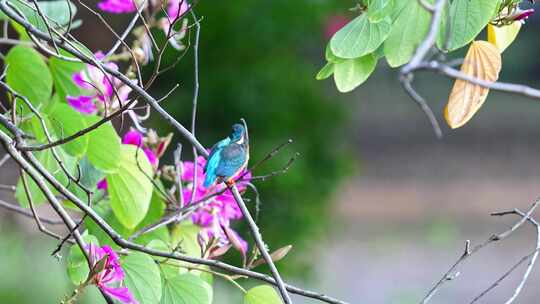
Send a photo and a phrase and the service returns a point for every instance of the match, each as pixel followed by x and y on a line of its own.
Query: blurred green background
pixel 376 207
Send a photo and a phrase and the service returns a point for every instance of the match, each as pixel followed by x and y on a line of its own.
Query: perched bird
pixel 227 158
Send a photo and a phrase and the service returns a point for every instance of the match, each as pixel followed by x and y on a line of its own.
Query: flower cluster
pixel 215 214
pixel 103 90
pixel 107 274
pixel 176 9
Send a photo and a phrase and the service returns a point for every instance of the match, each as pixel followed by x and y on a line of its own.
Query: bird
pixel 227 158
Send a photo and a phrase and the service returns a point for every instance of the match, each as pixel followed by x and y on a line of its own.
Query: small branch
pixel 469 252
pixel 27 213
pixel 261 245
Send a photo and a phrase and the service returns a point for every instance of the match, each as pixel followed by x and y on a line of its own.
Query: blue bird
pixel 227 158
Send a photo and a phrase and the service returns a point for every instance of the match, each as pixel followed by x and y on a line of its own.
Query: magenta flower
pixel 215 214
pixel 102 184
pixel 107 274
pixel 117 6
pixel 135 138
pixel 99 87
pixel 177 8
pixel 83 104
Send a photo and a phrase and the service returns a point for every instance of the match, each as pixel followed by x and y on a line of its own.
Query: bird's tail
pixel 209 180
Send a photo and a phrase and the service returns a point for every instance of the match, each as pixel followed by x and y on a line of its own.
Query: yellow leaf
pixel 483 61
pixel 503 36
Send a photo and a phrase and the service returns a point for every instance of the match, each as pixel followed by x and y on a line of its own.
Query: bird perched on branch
pixel 227 158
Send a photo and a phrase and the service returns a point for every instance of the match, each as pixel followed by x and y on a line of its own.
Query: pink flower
pixel 135 138
pixel 83 104
pixel 177 8
pixel 99 87
pixel 107 273
pixel 117 6
pixel 102 184
pixel 215 214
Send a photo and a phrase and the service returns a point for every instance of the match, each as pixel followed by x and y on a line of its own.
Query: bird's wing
pixel 213 162
pixel 213 158
pixel 233 158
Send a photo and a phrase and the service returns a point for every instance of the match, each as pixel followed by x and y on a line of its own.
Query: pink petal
pixel 83 104
pixel 177 8
pixel 117 6
pixel 151 157
pixel 121 293
pixel 134 138
pixel 81 80
pixel 102 184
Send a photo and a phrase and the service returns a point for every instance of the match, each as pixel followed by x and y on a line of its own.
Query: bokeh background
pixel 376 207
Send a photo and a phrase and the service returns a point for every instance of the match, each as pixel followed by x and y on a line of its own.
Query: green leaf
pixel 379 9
pixel 351 73
pixel 360 37
pixel 77 265
pixel 89 177
pixel 57 11
pixel 66 122
pixel 160 246
pixel 47 160
pixel 262 294
pixel 142 277
pixel 155 212
pixel 62 73
pixel 185 237
pixel 326 71
pixel 33 126
pixel 331 57
pixel 104 210
pixel 29 76
pixel 130 188
pixel 103 146
pixel 408 30
pixel 467 19
pixel 186 289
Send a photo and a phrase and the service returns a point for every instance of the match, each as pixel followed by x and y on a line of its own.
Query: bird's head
pixel 238 134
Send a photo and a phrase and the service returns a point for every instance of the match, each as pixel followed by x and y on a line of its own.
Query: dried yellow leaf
pixel 483 61
pixel 503 36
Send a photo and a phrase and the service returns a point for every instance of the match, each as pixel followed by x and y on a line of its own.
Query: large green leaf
pixel 155 212
pixel 262 294
pixel 66 121
pixel 77 265
pixel 105 212
pixel 379 9
pixel 130 187
pixel 142 277
pixel 185 237
pixel 57 11
pixel 467 19
pixel 186 289
pixel 47 160
pixel 62 73
pixel 351 73
pixel 28 75
pixel 103 146
pixel 408 30
pixel 359 37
